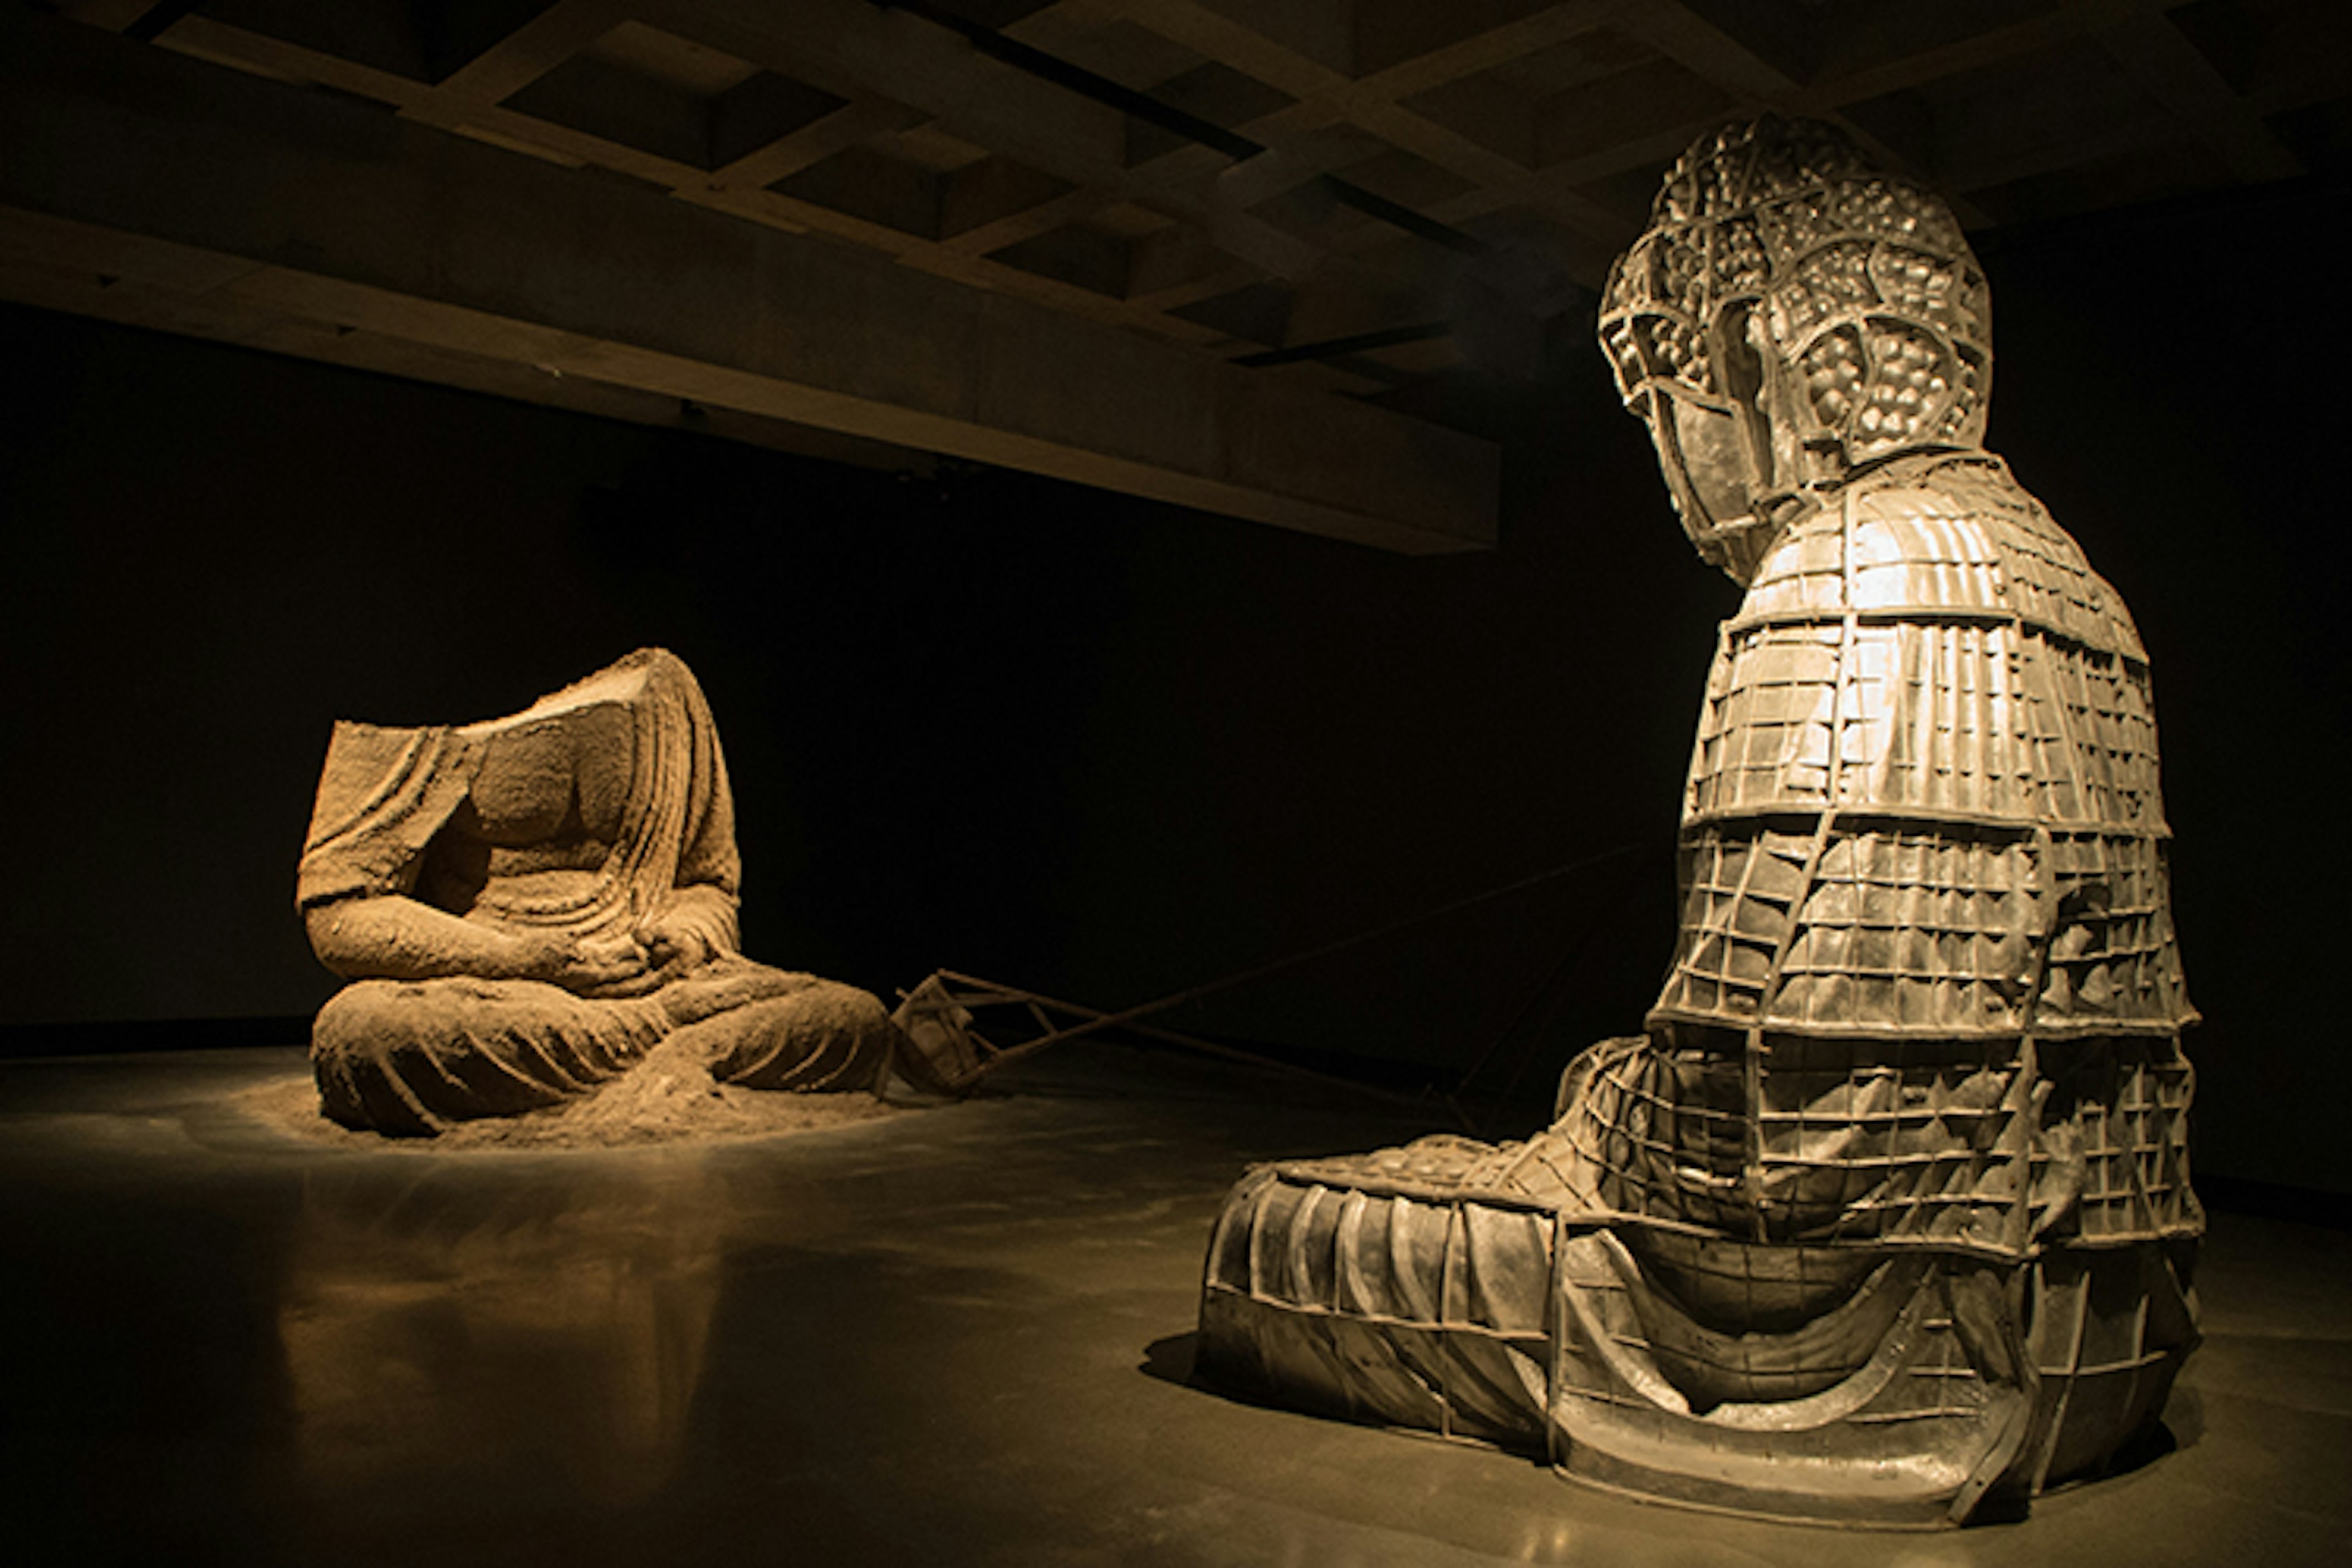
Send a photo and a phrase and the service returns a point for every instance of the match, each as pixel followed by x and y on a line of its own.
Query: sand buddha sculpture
pixel 526 908
pixel 1887 1213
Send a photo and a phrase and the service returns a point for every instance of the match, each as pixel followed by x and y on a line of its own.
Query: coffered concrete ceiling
pixel 1212 251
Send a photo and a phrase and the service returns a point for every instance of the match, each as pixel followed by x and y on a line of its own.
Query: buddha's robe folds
pixel 1889 1206
pixel 409 1045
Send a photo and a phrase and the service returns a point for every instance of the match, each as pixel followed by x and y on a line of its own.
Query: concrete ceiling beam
pixel 299 206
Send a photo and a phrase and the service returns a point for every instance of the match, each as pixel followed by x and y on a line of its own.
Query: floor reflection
pixel 916 1341
pixel 551 1327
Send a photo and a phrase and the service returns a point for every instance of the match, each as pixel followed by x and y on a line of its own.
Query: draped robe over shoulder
pixel 409 1045
pixel 385 794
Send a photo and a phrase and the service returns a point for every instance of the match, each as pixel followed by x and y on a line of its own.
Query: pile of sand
pixel 668 1097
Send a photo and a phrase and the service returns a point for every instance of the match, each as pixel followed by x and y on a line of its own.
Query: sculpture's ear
pixel 1750 373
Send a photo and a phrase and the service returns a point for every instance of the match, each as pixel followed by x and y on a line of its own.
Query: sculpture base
pixel 1902 1388
pixel 665 1098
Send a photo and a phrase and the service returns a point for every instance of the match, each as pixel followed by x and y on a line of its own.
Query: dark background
pixel 1107 749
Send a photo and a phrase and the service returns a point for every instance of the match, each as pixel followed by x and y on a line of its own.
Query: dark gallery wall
pixel 2162 384
pixel 1107 749
pixel 1061 738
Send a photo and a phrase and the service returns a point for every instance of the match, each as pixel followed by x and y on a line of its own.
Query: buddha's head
pixel 1792 314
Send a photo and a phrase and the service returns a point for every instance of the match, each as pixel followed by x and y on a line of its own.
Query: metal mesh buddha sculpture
pixel 1887 1210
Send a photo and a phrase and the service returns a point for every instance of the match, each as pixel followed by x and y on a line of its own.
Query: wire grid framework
pixel 1918 1048
pixel 1904 1304
pixel 1382 1289
pixel 1382 1299
pixel 1865 285
pixel 1398 1288
pixel 1898 1171
pixel 1924 847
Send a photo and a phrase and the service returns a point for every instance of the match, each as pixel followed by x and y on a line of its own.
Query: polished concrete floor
pixel 958 1337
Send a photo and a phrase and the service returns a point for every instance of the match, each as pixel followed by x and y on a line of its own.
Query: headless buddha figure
pixel 1887 1210
pixel 525 907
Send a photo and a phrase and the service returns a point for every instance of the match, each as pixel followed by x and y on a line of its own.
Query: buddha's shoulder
pixel 1936 536
pixel 1958 505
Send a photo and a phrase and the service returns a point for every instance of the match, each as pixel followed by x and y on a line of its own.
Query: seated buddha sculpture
pixel 525 907
pixel 1886 1215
